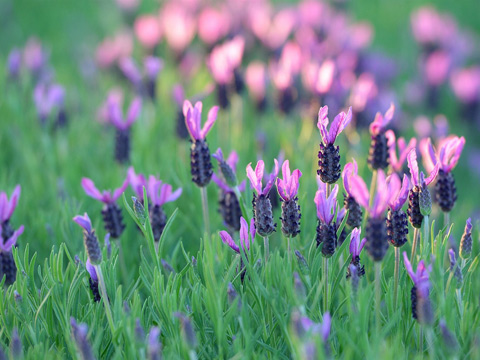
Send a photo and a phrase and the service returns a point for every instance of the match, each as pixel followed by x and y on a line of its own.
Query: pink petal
pixel 133 111
pixel 433 174
pixel 175 195
pixel 408 267
pixel 244 241
pixel 211 118
pixel 359 190
pixel 232 160
pixel 413 166
pixel 227 239
pixel 281 189
pixel 254 181
pixel 91 190
pixel 252 229
pixel 323 122
pixel 120 190
pixel 187 105
pixel 12 204
pixel 7 246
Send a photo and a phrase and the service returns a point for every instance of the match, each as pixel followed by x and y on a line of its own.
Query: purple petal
pixel 84 222
pixel 468 226
pixel 458 151
pixel 254 180
pixel 232 160
pixel 91 190
pixel 174 195
pixel 359 191
pixel 3 206
pixel 271 179
pixel 326 326
pixel 91 270
pixel 354 240
pixel 7 246
pixel 252 229
pixel 120 190
pixel 178 94
pixel 408 267
pixel 211 118
pixel 322 123
pixel 153 189
pixel 433 174
pixel 349 170
pixel 133 112
pixel 281 189
pixel 115 115
pixel 227 239
pixel 12 204
pixel 220 183
pixel 413 166
pixel 338 124
pixel 137 182
pixel 218 155
pixel 244 240
pixel 428 154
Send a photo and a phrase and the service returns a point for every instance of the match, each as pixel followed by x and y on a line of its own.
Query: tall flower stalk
pixel 200 162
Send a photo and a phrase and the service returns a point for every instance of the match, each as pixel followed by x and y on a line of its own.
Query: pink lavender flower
pixel 417 177
pixel 466 84
pixel 137 182
pixel 113 49
pixel 256 177
pixel 326 211
pixel 256 80
pixel 7 206
pixel 148 30
pixel 398 191
pixel 106 196
pixel 337 126
pixel 421 307
pixel 178 26
pixel 355 211
pixel 397 224
pixel 356 247
pixel 361 194
pixel 288 189
pixel 397 162
pixel 160 192
pixel 47 98
pixel 288 186
pixel 213 24
pixel 378 155
pixel 246 236
pixel 448 156
pixel 193 118
pixel 90 240
pixel 34 57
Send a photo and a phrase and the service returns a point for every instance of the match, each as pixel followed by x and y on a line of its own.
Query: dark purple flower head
pixel 349 170
pixel 152 66
pixel 116 117
pixel 245 237
pixel 105 196
pixel 161 193
pixel 14 63
pixel 420 278
pixel 398 191
pixel 417 177
pixel 337 126
pixel 397 162
pixel 7 244
pixel 137 182
pixel 288 186
pixel 326 207
pixel 91 270
pixel 231 161
pixel 361 194
pixel 7 207
pixel 193 119
pixel 356 245
pixel 381 122
pixel 450 151
pixel 84 222
pixel 256 177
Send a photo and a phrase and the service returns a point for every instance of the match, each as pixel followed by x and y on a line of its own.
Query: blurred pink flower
pixel 225 58
pixel 466 84
pixel 437 66
pixel 114 48
pixel 213 25
pixel 34 55
pixel 178 25
pixel 363 90
pixel 127 5
pixel 430 27
pixel 148 30
pixel 256 79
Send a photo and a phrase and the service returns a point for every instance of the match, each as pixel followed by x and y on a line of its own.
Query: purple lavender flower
pixel 227 182
pixel 447 157
pixel 326 211
pixel 187 330
pixel 288 189
pixel 14 63
pixel 154 347
pixel 397 163
pixel 93 280
pixel 46 99
pixel 378 156
pixel 349 203
pixel 160 193
pixel 245 236
pixel 80 332
pixel 152 66
pixel 137 182
pixel 7 207
pixel 419 200
pixel 356 247
pixel 421 306
pixel 7 263
pixel 397 224
pixel 305 328
pixel 123 127
pixel 131 71
pixel 112 215
pixel 466 242
pixel 262 207
pixel 200 162
pixel 376 230
pixel 89 239
pixel 329 155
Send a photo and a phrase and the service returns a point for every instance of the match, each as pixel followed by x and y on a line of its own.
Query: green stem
pixel 414 245
pixel 123 266
pixel 325 286
pixel 103 290
pixel 288 249
pixel 396 276
pixel 425 239
pixel 265 246
pixel 206 220
pixel 431 345
pixel 420 339
pixel 372 188
pixel 241 201
pixel 378 295
pixel 446 219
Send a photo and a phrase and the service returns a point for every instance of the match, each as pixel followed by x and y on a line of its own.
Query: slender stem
pixel 446 219
pixel 396 276
pixel 420 339
pixel 414 245
pixel 325 286
pixel 378 294
pixel 288 248
pixel 372 188
pixel 425 225
pixel 123 266
pixel 265 246
pixel 206 220
pixel 103 290
pixel 431 346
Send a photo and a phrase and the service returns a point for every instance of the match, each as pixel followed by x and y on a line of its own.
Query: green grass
pixel 49 165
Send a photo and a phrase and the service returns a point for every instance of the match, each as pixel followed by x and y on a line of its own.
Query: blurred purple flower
pixel 245 237
pixel 381 122
pixel 7 207
pixel 105 196
pixel 361 194
pixel 161 193
pixel 116 116
pixel 137 182
pixel 397 162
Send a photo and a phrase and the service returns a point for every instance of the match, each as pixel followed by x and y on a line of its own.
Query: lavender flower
pixel 397 224
pixel 326 211
pixel 201 165
pixel 14 63
pixel 80 332
pixel 419 200
pixel 227 182
pixel 378 155
pixel 7 263
pixel 466 242
pixel 455 268
pixel 154 347
pixel 447 157
pixel 354 210
pixel 262 207
pixel 421 306
pixel 356 247
pixel 160 193
pixel 329 155
pixel 112 215
pixel 137 182
pixel 397 163
pixel 47 98
pixel 7 207
pixel 123 127
pixel 187 330
pixel 288 190
pixel 90 240
pixel 152 67
pixel 93 280
pixel 376 229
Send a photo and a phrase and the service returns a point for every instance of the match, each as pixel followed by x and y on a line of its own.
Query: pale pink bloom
pixel 116 115
pixel 396 162
pixel 338 124
pixel 256 79
pixel 418 177
pixel 466 84
pixel 447 157
pixel 160 192
pixel 361 194
pixel 422 126
pixel 281 75
pixel 114 48
pixel 193 119
pixel 272 29
pixel 34 55
pixel 398 191
pixel 288 186
pixel 115 96
pixel 148 30
pixel 178 25
pixel 363 91
pixel 106 196
pixel 360 36
pixel 429 26
pixel 381 122
pixel 437 66
pixel 225 58
pixel 213 25
pixel 256 177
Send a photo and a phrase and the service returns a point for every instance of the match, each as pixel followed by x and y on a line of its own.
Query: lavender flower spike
pixel 355 211
pixel 245 237
pixel 256 177
pixel 154 347
pixel 93 281
pixel 137 182
pixel 397 224
pixel 288 189
pixel 421 306
pixel 378 156
pixel 356 247
pixel 466 242
pixel 326 211
pixel 193 118
pixel 337 126
pixel 90 240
